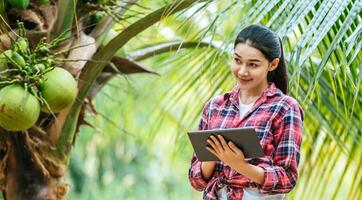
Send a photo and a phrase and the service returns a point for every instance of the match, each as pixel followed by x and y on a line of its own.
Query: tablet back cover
pixel 244 138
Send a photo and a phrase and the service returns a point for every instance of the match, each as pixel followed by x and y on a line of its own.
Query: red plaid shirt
pixel 278 121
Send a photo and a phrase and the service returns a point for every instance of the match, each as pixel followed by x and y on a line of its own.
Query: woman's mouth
pixel 245 80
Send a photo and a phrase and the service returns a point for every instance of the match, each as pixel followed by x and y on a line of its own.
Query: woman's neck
pixel 249 96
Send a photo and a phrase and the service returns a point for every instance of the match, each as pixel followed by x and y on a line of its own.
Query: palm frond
pixel 93 69
pixel 322 80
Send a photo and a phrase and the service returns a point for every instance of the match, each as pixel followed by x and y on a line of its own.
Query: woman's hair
pixel 270 44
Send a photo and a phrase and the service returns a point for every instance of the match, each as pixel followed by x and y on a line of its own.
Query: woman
pixel 258 100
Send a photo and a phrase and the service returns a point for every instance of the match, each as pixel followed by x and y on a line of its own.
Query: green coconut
pixel 58 90
pixel 19 109
pixel 22 4
pixel 3 63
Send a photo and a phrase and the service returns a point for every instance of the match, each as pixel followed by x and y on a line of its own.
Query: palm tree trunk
pixel 28 176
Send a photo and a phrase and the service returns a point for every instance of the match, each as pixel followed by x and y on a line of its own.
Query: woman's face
pixel 250 68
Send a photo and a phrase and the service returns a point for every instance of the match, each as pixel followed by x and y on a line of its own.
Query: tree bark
pixel 30 174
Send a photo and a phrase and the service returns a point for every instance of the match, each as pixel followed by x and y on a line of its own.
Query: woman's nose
pixel 242 71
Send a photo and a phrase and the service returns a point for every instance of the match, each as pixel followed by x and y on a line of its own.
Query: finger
pixel 223 142
pixel 213 145
pixel 212 151
pixel 234 148
pixel 217 143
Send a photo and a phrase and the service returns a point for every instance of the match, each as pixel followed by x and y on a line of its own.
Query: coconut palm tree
pixel 34 161
pixel 322 40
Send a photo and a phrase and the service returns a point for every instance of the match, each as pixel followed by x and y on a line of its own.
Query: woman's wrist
pixel 207 169
pixel 253 172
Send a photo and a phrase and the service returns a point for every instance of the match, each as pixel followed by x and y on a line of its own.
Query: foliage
pixel 136 144
pixel 322 46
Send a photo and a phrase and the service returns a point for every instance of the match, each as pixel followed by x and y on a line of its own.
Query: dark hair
pixel 270 44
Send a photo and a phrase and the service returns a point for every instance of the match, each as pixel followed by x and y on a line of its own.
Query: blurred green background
pixel 137 147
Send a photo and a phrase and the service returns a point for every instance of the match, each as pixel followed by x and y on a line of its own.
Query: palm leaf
pixel 331 101
pixel 104 55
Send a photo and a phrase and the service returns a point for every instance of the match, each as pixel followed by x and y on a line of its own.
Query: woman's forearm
pixel 207 169
pixel 253 172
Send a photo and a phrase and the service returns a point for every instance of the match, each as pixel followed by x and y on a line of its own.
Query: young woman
pixel 258 100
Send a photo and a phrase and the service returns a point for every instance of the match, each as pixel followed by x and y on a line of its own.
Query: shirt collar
pixel 233 94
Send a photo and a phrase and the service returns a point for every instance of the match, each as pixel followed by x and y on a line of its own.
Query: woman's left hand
pixel 226 152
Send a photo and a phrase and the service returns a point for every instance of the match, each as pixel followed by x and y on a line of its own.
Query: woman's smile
pixel 245 80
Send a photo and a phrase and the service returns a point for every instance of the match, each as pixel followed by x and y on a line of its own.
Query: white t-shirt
pixel 249 193
pixel 244 108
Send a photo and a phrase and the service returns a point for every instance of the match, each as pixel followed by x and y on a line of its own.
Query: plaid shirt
pixel 278 121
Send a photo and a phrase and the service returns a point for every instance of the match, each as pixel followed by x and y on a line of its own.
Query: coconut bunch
pixel 31 82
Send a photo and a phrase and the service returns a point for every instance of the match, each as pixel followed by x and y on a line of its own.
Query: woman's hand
pixel 226 152
pixel 207 169
pixel 234 157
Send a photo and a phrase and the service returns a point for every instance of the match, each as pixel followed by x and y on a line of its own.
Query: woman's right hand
pixel 207 169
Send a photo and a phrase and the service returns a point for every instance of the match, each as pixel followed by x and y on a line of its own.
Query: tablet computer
pixel 244 138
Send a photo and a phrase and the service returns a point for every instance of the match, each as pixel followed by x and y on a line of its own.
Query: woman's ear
pixel 274 64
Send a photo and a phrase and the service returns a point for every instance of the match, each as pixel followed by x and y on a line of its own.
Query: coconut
pixel 58 90
pixel 19 109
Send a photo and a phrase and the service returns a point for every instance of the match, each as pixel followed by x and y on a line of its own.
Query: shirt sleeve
pixel 195 176
pixel 282 175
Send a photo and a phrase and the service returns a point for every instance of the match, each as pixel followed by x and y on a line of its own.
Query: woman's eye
pixel 253 65
pixel 237 60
